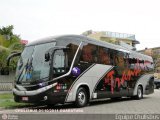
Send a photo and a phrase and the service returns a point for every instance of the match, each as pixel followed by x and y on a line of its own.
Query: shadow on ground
pixel 72 106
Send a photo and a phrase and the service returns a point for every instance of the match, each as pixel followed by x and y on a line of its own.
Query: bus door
pixel 106 87
pixel 59 63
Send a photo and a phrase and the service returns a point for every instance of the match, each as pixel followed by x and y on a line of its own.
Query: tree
pixel 7 31
pixel 9 42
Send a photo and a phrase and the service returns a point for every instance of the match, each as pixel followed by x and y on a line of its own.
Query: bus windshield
pixel 31 65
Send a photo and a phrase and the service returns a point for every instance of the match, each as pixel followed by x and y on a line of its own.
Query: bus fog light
pixel 45 97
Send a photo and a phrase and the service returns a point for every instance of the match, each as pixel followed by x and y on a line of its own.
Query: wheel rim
pixel 139 93
pixel 81 97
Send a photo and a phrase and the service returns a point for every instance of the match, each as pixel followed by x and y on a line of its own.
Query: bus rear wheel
pixel 139 93
pixel 81 97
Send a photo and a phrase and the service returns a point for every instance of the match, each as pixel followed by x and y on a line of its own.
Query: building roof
pixel 123 36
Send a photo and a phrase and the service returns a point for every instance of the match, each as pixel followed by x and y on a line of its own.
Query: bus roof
pixel 90 40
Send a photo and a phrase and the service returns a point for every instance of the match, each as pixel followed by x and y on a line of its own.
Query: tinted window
pixel 71 52
pixel 89 53
pixel 119 59
pixel 104 56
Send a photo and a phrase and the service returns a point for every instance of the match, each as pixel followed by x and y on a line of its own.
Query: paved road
pixel 149 104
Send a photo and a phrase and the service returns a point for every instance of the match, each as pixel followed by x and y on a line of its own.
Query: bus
pixel 77 69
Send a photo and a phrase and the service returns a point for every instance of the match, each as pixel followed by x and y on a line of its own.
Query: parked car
pixel 157 83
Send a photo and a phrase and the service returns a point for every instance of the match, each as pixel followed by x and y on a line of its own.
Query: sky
pixel 35 19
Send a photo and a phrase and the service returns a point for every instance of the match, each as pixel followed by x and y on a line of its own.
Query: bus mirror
pixel 47 57
pixel 5 71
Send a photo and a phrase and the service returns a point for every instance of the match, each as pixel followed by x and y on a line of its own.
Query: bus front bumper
pixel 42 95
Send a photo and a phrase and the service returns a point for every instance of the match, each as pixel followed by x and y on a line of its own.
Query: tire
pixel 155 86
pixel 81 97
pixel 139 93
pixel 16 99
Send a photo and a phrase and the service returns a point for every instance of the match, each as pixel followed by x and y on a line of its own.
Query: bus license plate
pixel 25 98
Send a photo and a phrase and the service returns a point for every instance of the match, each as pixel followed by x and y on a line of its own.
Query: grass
pixel 7 101
pixel 6 96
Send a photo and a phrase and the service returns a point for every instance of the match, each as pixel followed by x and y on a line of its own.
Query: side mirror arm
pixel 5 70
pixel 11 56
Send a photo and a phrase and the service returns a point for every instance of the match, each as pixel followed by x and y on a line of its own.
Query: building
pixel 154 52
pixel 148 51
pixel 113 37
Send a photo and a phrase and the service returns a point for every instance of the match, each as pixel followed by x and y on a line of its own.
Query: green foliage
pixel 6 43
pixel 9 43
pixel 3 55
pixel 7 30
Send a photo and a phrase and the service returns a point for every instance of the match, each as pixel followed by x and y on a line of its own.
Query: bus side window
pixel 126 60
pixel 89 53
pixel 71 52
pixel 119 62
pixel 120 59
pixel 104 56
pixel 112 57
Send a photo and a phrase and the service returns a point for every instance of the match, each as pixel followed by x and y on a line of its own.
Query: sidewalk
pixel 3 92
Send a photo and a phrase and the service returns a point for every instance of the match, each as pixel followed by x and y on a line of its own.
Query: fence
pixel 6 82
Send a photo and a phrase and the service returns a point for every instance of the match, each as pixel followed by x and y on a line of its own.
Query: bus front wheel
pixel 81 97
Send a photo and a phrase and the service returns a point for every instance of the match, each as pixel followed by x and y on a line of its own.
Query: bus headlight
pixel 42 84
